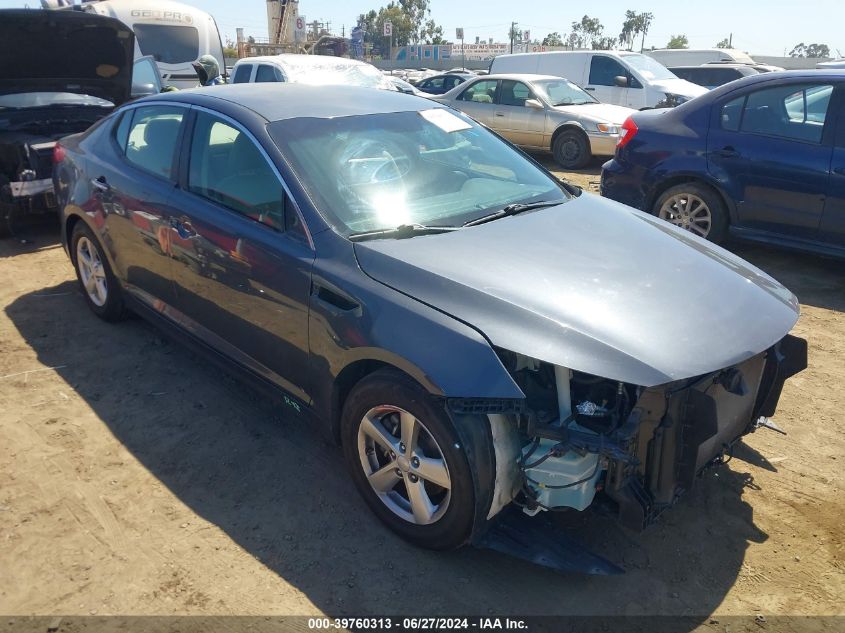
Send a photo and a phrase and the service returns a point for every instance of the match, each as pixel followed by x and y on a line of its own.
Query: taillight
pixel 58 154
pixel 629 131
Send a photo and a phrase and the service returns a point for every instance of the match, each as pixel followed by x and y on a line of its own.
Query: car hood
pixel 680 87
pixel 594 286
pixel 65 51
pixel 603 112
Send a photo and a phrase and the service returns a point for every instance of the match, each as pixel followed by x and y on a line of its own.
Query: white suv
pixel 310 69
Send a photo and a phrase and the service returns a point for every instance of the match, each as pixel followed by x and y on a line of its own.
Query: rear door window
pixel 228 168
pixel 242 74
pixel 152 139
pixel 604 71
pixel 793 111
pixel 480 92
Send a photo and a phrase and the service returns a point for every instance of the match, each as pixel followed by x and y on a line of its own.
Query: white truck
pixel 174 34
pixel 620 78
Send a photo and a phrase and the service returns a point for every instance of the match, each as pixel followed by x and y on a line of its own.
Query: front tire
pixel 571 149
pixel 696 208
pixel 96 279
pixel 407 461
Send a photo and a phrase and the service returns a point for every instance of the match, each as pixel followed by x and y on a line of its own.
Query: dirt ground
pixel 137 479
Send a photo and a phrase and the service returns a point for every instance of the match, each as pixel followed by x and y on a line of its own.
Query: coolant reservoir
pixel 563 471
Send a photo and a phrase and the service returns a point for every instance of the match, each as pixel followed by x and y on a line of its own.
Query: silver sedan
pixel 542 112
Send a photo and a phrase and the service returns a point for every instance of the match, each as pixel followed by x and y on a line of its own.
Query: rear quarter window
pixel 732 114
pixel 121 129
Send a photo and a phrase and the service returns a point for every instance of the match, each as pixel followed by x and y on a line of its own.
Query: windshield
pixel 168 44
pixel 562 92
pixel 649 68
pixel 46 99
pixel 434 167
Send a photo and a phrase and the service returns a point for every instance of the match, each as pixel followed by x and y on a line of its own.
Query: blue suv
pixel 760 158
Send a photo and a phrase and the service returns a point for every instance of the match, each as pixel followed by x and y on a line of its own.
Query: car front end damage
pixel 26 176
pixel 578 440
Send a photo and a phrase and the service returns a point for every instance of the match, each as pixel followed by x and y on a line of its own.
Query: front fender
pixel 355 319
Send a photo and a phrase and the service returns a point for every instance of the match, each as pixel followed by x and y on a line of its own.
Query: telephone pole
pixel 513 34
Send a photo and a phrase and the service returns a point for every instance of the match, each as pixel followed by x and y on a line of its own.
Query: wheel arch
pixel 345 382
pixel 568 126
pixel 69 224
pixel 679 179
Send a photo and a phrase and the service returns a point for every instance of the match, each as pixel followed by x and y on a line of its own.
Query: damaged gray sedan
pixel 473 332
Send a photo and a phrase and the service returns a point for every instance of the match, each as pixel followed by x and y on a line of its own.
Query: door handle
pixel 499 113
pixel 100 184
pixel 727 152
pixel 591 89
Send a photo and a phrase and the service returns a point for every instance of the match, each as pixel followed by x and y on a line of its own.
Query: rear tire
pixel 96 280
pixel 696 208
pixel 407 461
pixel 571 149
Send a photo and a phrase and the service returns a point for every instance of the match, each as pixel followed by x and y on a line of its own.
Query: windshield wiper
pixel 513 209
pixel 401 232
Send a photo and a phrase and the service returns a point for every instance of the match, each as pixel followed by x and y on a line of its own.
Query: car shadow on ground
pixel 283 495
pixel 816 280
pixel 37 235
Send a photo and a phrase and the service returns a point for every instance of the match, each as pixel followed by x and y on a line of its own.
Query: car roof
pixel 295 59
pixel 280 101
pixel 451 75
pixel 710 66
pixel 521 76
pixel 774 78
pixel 790 75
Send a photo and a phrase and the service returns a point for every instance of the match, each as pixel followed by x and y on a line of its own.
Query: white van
pixel 174 34
pixel 697 56
pixel 620 78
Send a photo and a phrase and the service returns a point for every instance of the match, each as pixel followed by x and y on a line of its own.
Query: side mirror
pixel 143 90
pixel 620 81
pixel 533 103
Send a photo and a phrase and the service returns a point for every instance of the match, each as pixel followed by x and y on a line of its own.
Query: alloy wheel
pixel 688 212
pixel 404 465
pixel 91 271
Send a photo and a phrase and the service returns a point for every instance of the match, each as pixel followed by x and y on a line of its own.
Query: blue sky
pixel 764 27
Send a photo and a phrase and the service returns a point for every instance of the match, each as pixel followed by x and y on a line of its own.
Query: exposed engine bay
pixel 27 142
pixel 580 440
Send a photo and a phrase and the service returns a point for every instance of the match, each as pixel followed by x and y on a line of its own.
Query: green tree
pixel 725 43
pixel 678 41
pixel 604 44
pixel 810 50
pixel 418 13
pixel 433 33
pixel 635 24
pixel 553 39
pixel 586 32
pixel 818 50
pixel 411 21
pixel 626 37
